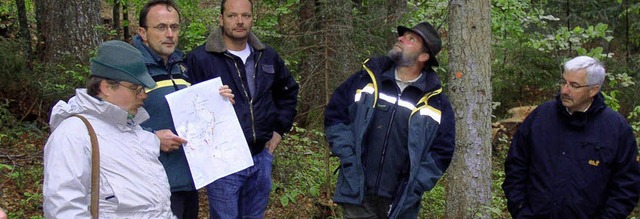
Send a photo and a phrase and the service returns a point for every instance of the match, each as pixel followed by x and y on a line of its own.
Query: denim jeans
pixel 244 194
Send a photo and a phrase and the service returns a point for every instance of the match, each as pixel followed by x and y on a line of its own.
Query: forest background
pixel 45 46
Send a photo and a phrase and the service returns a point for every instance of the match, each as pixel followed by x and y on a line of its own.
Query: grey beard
pixel 400 59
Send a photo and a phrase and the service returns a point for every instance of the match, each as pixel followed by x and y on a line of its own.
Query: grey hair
pixel 595 69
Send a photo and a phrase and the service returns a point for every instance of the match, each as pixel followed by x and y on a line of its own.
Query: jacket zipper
pixel 244 90
pixel 170 66
pixel 386 143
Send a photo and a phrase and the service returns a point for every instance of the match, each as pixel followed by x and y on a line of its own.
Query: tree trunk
pixel 24 27
pixel 326 28
pixel 125 21
pixel 395 10
pixel 68 29
pixel 469 38
pixel 116 18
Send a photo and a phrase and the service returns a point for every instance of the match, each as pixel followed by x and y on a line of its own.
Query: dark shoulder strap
pixel 95 167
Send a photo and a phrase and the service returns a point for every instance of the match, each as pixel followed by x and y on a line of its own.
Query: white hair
pixel 595 69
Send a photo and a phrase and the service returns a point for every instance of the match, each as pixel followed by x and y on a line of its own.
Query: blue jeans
pixel 244 194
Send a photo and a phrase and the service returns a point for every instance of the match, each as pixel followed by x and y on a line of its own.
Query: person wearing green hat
pixel 133 183
pixel 392 128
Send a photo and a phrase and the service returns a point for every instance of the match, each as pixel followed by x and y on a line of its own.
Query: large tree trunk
pixel 68 29
pixel 469 38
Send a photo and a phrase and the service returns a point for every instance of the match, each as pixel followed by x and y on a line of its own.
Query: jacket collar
pixel 83 103
pixel 383 68
pixel 215 42
pixel 150 57
pixel 580 119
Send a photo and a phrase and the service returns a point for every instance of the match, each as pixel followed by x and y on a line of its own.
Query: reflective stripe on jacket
pixel 169 78
pixel 431 139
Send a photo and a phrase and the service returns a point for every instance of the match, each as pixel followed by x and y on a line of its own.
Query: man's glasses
pixel 137 89
pixel 163 27
pixel 572 85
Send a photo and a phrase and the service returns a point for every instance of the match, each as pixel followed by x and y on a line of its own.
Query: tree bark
pixel 24 27
pixel 326 28
pixel 116 18
pixel 469 39
pixel 125 21
pixel 395 10
pixel 68 29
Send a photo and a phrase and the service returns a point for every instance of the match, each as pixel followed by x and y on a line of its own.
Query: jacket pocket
pixel 108 200
pixel 269 69
pixel 348 183
pixel 594 165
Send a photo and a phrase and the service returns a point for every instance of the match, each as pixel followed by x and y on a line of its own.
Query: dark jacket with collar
pixel 430 139
pixel 580 165
pixel 169 78
pixel 272 108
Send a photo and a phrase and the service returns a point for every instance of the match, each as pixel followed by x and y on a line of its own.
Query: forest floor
pixel 21 166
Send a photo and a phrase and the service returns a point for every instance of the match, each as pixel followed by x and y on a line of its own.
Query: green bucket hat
pixel 120 61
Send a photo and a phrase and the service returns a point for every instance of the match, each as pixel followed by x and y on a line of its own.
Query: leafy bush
pixel 302 180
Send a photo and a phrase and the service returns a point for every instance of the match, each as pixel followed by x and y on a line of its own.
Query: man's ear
pixel 220 21
pixel 105 90
pixel 143 33
pixel 593 90
pixel 424 57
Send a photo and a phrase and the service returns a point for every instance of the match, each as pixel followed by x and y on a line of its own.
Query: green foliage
pixel 30 201
pixel 106 31
pixel 197 22
pixel 25 177
pixel 433 204
pixel 634 121
pixel 193 36
pixel 7 8
pixel 526 63
pixel 300 172
pixel 270 17
pixel 521 74
pixel 617 83
pixel 564 39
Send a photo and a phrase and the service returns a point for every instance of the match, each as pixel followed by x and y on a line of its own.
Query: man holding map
pixel 157 40
pixel 266 99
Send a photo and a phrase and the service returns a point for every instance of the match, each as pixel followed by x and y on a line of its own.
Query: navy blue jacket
pixel 272 108
pixel 169 78
pixel 572 166
pixel 430 139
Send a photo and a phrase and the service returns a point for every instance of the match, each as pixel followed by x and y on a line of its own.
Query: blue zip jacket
pixel 580 165
pixel 272 108
pixel 430 140
pixel 169 78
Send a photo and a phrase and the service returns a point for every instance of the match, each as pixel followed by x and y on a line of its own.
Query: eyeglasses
pixel 572 85
pixel 137 89
pixel 163 27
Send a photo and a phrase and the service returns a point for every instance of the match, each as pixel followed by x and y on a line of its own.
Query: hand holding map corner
pixel 216 145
